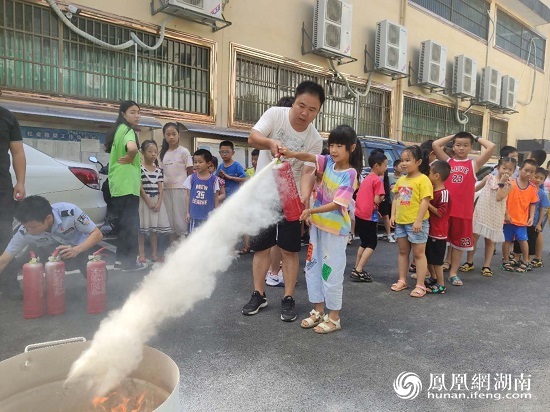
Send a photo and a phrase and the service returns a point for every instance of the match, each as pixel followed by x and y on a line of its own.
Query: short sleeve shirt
pixel 71 226
pixel 365 208
pixel 409 194
pixel 236 170
pixel 124 179
pixel 275 124
pixel 337 187
pixel 175 164
pixel 9 132
pixel 519 201
pixel 542 203
pixel 150 180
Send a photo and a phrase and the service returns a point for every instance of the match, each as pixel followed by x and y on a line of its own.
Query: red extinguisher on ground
pixel 55 284
pixel 288 192
pixel 96 279
pixel 33 288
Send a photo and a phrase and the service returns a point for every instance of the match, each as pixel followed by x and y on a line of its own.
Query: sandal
pixel 324 327
pixel 507 267
pixel 419 291
pixel 429 282
pixel 142 260
pixel 362 276
pixel 437 289
pixel 446 266
pixel 513 262
pixel 537 263
pixel 399 285
pixel 455 281
pixel 486 271
pixel 466 267
pixel 523 267
pixel 412 268
pixel 313 320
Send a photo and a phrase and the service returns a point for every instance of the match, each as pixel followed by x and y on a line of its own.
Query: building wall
pixel 276 27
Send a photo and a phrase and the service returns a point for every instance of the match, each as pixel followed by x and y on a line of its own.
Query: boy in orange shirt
pixel 520 209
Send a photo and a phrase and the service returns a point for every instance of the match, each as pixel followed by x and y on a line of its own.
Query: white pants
pixel 325 265
pixel 175 201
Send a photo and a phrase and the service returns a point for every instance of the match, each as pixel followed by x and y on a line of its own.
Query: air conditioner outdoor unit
pixel 332 27
pixel 391 47
pixel 433 64
pixel 210 8
pixel 464 76
pixel 489 88
pixel 508 93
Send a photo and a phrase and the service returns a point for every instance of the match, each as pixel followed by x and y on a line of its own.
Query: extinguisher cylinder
pixel 55 286
pixel 33 290
pixel 96 278
pixel 288 192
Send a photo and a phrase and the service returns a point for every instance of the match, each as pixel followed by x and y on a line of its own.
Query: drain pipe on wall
pixel 356 94
pixel 135 41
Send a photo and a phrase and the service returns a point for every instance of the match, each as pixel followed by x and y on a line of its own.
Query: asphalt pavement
pixel 480 347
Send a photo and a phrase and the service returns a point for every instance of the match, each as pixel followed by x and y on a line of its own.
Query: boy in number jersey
pixel 461 187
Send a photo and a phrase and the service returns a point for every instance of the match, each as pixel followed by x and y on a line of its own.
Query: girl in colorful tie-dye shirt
pixel 330 224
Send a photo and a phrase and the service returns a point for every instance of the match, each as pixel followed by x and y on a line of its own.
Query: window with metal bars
pixel 498 133
pixel 514 37
pixel 260 83
pixel 39 53
pixel 424 121
pixel 471 15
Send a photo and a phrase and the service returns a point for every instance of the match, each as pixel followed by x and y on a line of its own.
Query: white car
pixel 64 181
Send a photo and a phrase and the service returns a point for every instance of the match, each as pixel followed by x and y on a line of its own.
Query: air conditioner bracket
pixel 214 22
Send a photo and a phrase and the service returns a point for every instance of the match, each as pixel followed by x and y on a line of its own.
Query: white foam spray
pixel 187 276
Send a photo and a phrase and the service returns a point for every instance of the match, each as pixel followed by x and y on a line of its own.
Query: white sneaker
pixel 350 238
pixel 280 278
pixel 271 279
pixel 391 238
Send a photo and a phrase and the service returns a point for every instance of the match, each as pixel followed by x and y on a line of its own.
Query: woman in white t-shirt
pixel 177 164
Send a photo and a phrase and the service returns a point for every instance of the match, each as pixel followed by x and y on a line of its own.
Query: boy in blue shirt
pixel 540 212
pixel 230 170
pixel 203 190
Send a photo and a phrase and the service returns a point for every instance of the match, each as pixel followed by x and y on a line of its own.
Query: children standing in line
pixel 370 195
pixel 330 226
pixel 409 216
pixel 520 210
pixel 489 213
pixel 461 185
pixel 439 226
pixel 153 219
pixel 541 214
pixel 230 170
pixel 176 164
pixel 203 188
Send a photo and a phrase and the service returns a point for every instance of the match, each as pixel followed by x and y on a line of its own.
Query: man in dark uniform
pixel 10 141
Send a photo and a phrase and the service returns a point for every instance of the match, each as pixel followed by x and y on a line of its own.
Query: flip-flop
pixel 455 281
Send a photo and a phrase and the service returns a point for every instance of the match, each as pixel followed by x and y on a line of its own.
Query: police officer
pixel 45 228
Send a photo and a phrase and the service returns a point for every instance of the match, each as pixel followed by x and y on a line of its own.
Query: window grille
pixel 39 53
pixel 471 15
pixel 514 37
pixel 260 83
pixel 498 133
pixel 424 121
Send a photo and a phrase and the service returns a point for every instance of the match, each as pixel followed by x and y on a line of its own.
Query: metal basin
pixel 33 381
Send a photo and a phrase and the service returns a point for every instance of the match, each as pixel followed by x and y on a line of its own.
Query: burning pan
pixel 33 381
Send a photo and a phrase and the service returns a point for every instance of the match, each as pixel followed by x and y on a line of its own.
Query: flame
pixel 115 402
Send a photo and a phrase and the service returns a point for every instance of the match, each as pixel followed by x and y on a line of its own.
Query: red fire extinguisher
pixel 288 192
pixel 33 288
pixel 96 279
pixel 55 285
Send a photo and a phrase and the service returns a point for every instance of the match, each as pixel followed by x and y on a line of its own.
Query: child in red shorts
pixel 461 187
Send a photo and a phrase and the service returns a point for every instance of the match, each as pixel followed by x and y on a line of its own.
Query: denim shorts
pixel 407 231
